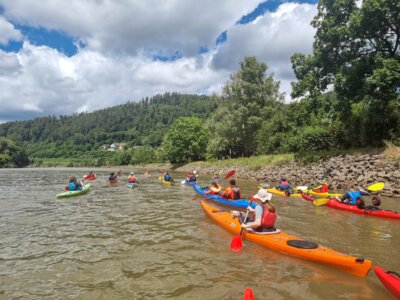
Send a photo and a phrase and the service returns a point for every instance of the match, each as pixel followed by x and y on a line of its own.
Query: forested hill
pixel 141 123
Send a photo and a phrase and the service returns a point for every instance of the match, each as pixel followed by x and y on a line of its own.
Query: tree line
pixel 347 94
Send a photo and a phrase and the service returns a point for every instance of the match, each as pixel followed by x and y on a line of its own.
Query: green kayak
pixel 68 194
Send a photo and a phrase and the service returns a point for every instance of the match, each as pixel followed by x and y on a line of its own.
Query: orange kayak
pixel 280 242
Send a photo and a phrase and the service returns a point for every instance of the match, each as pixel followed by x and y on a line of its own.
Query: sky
pixel 59 57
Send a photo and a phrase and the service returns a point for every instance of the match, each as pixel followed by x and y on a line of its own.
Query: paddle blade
pixel 236 243
pixel 321 201
pixel 248 294
pixel 230 174
pixel 376 187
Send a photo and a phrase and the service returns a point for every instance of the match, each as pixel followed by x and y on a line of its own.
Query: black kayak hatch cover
pixel 302 244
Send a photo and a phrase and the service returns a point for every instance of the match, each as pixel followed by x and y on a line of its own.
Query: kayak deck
pixel 278 242
pixel 239 203
pixel 281 193
pixel 324 195
pixel 69 194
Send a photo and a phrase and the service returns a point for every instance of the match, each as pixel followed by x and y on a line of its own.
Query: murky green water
pixel 154 242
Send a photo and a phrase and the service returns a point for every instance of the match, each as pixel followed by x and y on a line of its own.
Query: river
pixel 154 242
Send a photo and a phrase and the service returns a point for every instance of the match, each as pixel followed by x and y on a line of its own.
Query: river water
pixel 154 242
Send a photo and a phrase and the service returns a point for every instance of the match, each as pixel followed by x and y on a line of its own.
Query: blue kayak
pixel 133 184
pixel 240 203
pixel 188 182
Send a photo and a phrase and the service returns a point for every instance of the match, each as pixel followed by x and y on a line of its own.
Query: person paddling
pixel 232 192
pixel 168 177
pixel 191 177
pixel 284 185
pixel 264 215
pixel 132 178
pixel 323 188
pixel 215 189
pixel 353 196
pixel 73 184
pixel 113 178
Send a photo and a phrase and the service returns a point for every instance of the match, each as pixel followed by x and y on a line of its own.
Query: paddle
pixel 229 174
pixel 248 294
pixel 236 243
pixel 373 188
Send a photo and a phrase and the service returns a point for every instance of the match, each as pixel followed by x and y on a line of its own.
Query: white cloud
pixel 116 65
pixel 8 32
pixel 130 26
pixel 51 82
pixel 272 38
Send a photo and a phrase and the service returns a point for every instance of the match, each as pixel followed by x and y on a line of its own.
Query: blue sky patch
pixel 12 46
pixel 177 55
pixel 52 38
pixel 222 38
pixel 271 5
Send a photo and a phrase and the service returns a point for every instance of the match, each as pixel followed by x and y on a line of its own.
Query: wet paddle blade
pixel 376 187
pixel 320 202
pixel 230 174
pixel 236 243
pixel 248 294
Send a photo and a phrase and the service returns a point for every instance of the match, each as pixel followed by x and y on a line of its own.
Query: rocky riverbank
pixel 361 170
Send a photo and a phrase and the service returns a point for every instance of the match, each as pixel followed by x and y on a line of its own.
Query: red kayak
pixel 391 280
pixel 353 208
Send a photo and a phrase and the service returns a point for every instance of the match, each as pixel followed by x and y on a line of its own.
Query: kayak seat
pixel 265 231
pixel 303 244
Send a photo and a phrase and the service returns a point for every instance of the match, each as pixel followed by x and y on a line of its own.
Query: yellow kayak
pixel 282 193
pixel 324 195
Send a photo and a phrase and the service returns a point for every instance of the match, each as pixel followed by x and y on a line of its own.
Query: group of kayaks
pixel 85 188
pixel 292 245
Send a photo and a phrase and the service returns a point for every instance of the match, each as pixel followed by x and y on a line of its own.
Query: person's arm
pixel 364 193
pixel 257 222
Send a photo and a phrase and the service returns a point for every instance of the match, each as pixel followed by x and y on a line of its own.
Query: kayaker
pixel 232 192
pixel 215 189
pixel 191 177
pixel 284 185
pixel 168 177
pixel 132 178
pixel 353 196
pixel 73 184
pixel 113 177
pixel 264 215
pixel 323 188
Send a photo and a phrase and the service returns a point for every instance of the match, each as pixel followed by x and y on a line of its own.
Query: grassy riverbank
pixel 252 163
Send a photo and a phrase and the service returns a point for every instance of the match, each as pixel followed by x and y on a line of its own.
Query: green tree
pixel 356 50
pixel 247 97
pixel 186 140
pixel 12 155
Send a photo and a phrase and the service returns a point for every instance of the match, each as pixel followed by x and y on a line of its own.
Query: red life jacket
pixel 284 182
pixel 131 179
pixel 268 218
pixel 324 189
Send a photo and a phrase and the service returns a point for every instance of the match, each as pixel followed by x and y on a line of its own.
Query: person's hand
pixel 249 207
pixel 243 225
